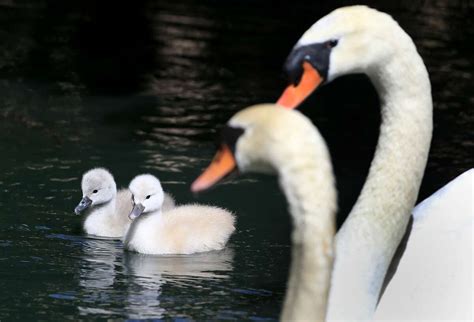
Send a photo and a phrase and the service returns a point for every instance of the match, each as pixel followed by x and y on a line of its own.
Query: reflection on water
pixel 209 265
pixel 98 269
pixel 104 266
pixel 147 274
pixel 144 88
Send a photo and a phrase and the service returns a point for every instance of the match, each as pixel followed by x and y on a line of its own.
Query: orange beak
pixel 222 164
pixel 295 95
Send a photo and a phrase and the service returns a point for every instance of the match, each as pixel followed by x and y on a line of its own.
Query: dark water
pixel 143 88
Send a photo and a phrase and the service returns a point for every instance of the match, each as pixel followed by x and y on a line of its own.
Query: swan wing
pixel 434 278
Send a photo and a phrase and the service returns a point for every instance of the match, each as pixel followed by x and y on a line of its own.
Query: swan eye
pixel 331 43
pixel 95 191
pixel 148 197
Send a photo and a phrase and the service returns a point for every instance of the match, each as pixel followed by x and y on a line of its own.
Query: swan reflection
pixel 99 261
pixel 98 272
pixel 148 274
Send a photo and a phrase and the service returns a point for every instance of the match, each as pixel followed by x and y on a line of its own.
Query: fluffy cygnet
pixel 183 230
pixel 106 209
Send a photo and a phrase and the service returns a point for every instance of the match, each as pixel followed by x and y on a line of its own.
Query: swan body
pixel 182 230
pixel 268 139
pixel 433 280
pixel 106 208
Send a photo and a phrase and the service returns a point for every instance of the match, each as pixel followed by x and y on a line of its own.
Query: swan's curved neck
pixel 309 187
pixel 368 239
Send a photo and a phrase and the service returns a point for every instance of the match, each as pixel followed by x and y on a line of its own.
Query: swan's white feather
pixel 110 217
pixel 110 221
pixel 434 277
pixel 183 230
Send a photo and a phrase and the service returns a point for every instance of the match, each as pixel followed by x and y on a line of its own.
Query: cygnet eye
pixel 148 197
pixel 95 191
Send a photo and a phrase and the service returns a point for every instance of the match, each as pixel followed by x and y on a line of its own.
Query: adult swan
pixel 359 39
pixel 267 139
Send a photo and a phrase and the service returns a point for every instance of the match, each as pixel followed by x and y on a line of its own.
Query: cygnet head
pixel 147 195
pixel 98 187
pixel 355 39
pixel 262 138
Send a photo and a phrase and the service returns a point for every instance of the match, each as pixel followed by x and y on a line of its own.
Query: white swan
pixel 183 230
pixel 106 209
pixel 267 139
pixel 362 40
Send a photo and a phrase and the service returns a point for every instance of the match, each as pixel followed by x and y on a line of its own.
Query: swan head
pixel 147 195
pixel 349 40
pixel 260 138
pixel 98 187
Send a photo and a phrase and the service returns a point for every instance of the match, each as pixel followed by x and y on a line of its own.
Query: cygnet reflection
pixel 99 262
pixel 149 273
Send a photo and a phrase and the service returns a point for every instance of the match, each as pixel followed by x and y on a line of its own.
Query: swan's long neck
pixel 308 184
pixel 368 239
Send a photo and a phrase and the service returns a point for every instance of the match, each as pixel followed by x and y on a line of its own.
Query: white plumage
pixel 110 221
pixel 436 263
pixel 434 277
pixel 286 142
pixel 182 230
pixel 107 210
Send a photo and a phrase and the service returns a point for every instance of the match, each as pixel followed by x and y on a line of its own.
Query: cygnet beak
pixel 136 211
pixel 83 205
